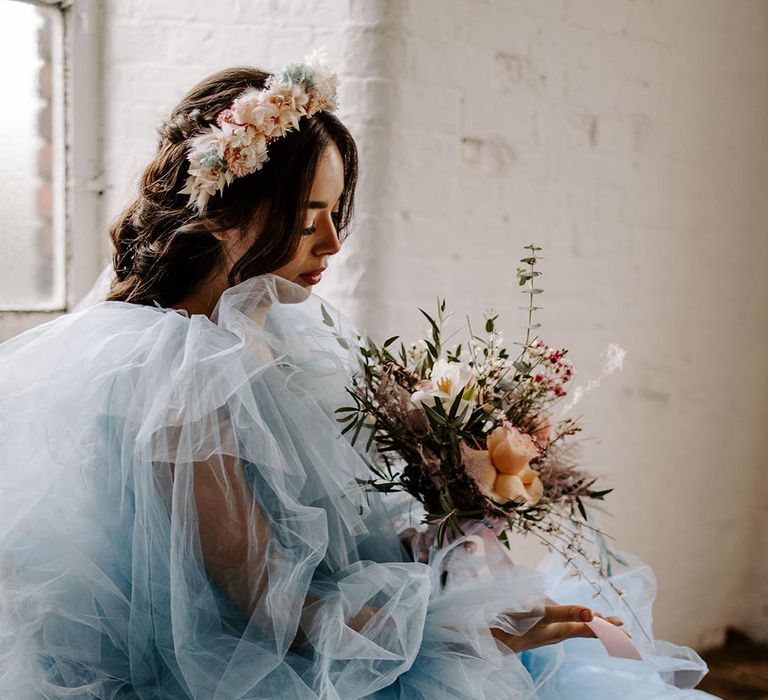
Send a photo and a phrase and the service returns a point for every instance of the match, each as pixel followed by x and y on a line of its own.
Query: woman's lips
pixel 312 277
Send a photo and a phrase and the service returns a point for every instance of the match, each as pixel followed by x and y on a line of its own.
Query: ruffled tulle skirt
pixel 180 518
pixel 476 569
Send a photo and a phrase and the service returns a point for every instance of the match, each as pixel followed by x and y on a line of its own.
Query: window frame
pixel 82 173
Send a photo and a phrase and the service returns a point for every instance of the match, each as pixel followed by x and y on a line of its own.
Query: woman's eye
pixel 308 231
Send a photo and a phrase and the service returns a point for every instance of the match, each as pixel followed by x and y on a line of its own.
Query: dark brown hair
pixel 164 249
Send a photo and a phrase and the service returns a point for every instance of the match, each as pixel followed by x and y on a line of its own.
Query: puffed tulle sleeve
pixel 181 519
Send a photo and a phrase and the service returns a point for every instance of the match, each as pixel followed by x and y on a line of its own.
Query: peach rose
pixel 503 471
pixel 511 451
pixel 525 487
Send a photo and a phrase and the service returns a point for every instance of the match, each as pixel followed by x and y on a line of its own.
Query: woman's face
pixel 320 239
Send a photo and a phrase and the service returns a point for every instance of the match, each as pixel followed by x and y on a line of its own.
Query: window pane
pixel 31 183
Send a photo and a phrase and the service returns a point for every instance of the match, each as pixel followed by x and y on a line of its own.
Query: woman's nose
pixel 329 243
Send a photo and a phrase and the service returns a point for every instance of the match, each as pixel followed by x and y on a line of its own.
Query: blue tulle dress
pixel 180 518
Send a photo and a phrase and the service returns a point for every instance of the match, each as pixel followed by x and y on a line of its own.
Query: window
pixel 31 237
pixel 49 180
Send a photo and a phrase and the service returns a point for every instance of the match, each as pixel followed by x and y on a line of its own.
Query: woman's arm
pixel 234 534
pixel 234 537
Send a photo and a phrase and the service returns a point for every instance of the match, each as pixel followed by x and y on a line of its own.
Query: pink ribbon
pixel 615 640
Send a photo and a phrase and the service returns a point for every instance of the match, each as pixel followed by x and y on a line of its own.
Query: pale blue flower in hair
pixel 298 73
pixel 212 160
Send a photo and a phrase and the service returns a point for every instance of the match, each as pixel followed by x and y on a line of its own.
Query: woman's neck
pixel 203 299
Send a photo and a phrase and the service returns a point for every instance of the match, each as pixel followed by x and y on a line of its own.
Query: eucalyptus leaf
pixel 349 427
pixel 462 415
pixel 454 409
pixel 327 320
pixel 433 415
pixel 359 427
pixel 582 509
pixel 440 408
pixel 371 438
pixel 435 329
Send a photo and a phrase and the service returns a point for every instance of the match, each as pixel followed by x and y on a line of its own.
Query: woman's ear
pixel 227 236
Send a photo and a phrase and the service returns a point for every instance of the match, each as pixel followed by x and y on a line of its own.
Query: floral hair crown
pixel 237 144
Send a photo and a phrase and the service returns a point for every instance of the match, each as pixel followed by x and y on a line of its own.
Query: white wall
pixel 627 138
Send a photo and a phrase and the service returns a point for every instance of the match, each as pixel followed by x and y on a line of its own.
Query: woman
pixel 181 518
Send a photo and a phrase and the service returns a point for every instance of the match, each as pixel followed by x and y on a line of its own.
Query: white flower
pixel 243 148
pixel 326 83
pixel 207 169
pixel 252 108
pixel 290 101
pixel 446 381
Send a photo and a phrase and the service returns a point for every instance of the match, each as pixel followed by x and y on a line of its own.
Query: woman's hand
pixel 560 622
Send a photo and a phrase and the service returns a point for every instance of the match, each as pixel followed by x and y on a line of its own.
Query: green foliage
pixel 418 449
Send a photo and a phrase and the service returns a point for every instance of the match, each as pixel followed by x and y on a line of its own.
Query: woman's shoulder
pixel 110 343
pixel 120 334
pixel 168 358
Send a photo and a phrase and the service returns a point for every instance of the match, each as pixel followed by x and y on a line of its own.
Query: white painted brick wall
pixel 626 137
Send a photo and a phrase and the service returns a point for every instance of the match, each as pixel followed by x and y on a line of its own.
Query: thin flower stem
pixel 595 586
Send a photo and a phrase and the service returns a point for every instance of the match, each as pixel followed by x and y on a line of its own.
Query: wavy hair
pixel 164 249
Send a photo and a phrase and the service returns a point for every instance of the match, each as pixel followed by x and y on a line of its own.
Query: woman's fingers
pixel 570 630
pixel 576 613
pixel 567 613
pixel 559 622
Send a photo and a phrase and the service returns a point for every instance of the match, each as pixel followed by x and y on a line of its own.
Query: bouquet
pixel 468 430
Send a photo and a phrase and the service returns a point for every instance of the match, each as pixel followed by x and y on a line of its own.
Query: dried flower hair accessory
pixel 237 144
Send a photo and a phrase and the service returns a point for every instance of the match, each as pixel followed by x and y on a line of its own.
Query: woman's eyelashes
pixel 309 230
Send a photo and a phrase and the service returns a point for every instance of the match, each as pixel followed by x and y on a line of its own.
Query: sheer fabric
pixel 181 519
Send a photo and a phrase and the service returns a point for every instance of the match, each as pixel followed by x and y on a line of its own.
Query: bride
pixel 180 515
